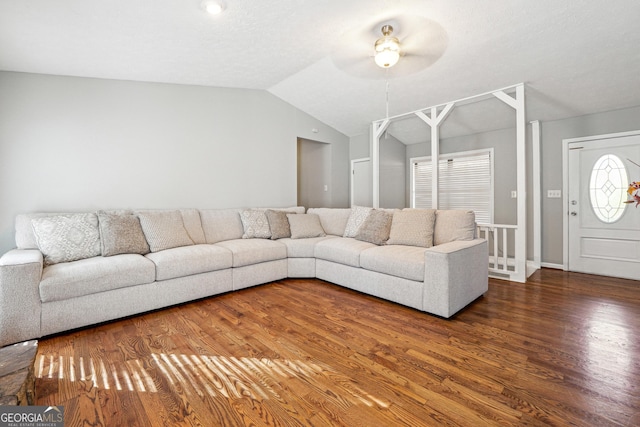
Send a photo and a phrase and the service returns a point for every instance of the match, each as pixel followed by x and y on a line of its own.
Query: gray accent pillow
pixel 305 225
pixel 255 224
pixel 278 223
pixel 356 218
pixel 375 229
pixel 412 227
pixel 69 237
pixel 121 234
pixel 164 230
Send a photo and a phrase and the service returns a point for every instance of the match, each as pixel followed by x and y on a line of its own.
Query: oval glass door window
pixel 608 188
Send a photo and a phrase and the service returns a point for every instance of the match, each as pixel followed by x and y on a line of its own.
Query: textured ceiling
pixel 575 57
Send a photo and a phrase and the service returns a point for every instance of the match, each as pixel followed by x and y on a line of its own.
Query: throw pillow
pixel 412 227
pixel 65 238
pixel 255 224
pixel 452 225
pixel 278 223
pixel 356 218
pixel 375 229
pixel 164 230
pixel 305 225
pixel 121 234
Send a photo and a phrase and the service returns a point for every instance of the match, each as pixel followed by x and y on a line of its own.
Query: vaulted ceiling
pixel 576 57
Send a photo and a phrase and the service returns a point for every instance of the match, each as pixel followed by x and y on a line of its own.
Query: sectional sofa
pixel 71 270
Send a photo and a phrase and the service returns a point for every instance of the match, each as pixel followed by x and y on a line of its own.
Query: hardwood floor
pixel 563 349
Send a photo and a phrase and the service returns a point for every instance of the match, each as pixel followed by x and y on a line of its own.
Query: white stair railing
pixel 501 241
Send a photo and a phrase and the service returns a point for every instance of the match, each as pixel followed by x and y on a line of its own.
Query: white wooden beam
pixel 434 121
pixel 377 129
pixel 537 194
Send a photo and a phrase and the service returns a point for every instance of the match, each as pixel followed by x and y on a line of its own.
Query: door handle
pixel 574 213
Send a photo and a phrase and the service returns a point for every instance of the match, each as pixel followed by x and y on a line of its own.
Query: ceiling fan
pixel 400 46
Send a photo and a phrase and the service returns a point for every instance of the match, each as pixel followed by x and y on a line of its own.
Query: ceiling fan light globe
pixel 387 58
pixel 212 7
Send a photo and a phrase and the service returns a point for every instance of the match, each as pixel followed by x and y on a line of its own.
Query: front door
pixel 604 232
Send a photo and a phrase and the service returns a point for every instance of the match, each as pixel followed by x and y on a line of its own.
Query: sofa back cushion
pixel 193 224
pixel 452 225
pixel 221 224
pixel 333 220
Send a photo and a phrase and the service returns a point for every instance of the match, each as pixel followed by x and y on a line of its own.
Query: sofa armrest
pixel 456 273
pixel 20 306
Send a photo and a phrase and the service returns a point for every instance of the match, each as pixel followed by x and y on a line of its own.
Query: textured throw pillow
pixel 412 227
pixel 375 229
pixel 278 223
pixel 255 224
pixel 305 225
pixel 64 238
pixel 452 225
pixel 121 234
pixel 356 218
pixel 164 230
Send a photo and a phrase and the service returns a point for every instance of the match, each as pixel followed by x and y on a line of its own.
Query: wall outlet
pixel 514 194
pixel 554 194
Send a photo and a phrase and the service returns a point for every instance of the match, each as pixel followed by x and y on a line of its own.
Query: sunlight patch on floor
pixel 202 375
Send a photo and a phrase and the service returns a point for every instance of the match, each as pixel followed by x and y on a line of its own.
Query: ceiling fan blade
pixel 422 41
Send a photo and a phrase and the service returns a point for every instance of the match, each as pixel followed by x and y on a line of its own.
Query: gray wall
pixel 74 144
pixel 553 132
pixel 393 172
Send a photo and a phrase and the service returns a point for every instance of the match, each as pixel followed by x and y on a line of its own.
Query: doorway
pixel 314 174
pixel 361 192
pixel 603 232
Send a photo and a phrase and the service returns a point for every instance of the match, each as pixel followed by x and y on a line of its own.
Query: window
pixel 465 182
pixel 608 188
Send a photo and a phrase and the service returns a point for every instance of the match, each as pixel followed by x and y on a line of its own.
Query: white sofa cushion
pixel 452 225
pixel 193 225
pixel 401 261
pixel 302 248
pixel 93 275
pixel 254 251
pixel 188 260
pixel 333 220
pixel 343 250
pixel 221 224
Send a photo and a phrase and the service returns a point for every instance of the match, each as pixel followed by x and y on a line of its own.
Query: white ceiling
pixel 576 57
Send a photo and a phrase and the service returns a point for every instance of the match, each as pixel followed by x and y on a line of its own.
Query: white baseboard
pixel 551 265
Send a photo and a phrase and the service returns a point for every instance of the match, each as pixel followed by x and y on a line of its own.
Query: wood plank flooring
pixel 563 349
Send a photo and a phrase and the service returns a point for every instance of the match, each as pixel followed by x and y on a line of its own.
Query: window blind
pixel 465 183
